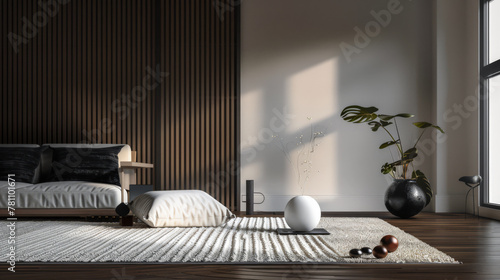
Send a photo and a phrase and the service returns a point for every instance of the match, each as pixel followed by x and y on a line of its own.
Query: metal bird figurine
pixel 472 182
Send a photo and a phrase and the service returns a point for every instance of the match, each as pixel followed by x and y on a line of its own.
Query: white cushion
pixel 183 208
pixel 64 194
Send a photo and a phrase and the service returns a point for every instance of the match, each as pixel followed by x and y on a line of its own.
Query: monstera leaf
pixel 358 114
pixel 426 125
pixel 390 117
pixel 388 144
pixel 388 168
pixel 375 124
pixel 424 184
pixel 407 157
pixel 410 154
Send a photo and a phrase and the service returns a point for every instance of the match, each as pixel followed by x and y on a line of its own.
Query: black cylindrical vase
pixel 404 198
pixel 249 200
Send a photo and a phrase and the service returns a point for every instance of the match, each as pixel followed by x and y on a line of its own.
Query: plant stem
pixel 419 137
pixel 398 145
pixel 397 131
pixel 392 156
pixel 401 144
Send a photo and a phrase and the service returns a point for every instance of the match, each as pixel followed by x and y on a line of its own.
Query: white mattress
pixel 67 194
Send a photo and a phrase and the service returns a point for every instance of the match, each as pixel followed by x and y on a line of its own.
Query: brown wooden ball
pixel 390 243
pixel 379 252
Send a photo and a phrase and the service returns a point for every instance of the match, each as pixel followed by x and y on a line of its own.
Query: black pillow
pixel 22 162
pixel 99 165
pixel 45 163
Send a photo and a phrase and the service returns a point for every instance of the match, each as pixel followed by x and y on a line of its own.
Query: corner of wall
pixel 456 100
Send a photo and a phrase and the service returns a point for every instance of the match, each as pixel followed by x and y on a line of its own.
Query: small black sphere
pixel 122 209
pixel 355 253
pixel 366 250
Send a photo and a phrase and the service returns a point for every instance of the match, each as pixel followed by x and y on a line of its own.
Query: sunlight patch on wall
pixel 311 95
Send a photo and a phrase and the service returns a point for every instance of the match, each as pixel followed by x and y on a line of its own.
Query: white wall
pixel 456 81
pixel 292 60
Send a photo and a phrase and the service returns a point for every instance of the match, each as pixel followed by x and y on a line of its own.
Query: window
pixel 493 31
pixel 490 102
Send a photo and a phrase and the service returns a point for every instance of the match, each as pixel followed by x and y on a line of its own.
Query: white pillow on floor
pixel 182 208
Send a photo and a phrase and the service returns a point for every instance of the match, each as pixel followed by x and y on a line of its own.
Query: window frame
pixel 486 71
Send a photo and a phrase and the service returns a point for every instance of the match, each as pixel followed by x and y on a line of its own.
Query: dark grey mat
pixel 316 231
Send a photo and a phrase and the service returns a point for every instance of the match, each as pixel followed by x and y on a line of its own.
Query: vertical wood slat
pixel 15 91
pixel 76 77
pixel 27 81
pixel 3 71
pixel 10 74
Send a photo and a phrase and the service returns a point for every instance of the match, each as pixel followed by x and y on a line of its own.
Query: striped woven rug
pixel 241 240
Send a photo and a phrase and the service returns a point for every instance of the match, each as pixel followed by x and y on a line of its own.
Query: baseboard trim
pixel 450 203
pixel 367 203
pixel 327 203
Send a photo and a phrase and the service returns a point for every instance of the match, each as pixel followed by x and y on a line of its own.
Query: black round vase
pixel 404 198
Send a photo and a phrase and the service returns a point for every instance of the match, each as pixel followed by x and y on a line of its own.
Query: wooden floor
pixel 473 241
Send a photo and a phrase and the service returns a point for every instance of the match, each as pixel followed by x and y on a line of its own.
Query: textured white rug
pixel 240 240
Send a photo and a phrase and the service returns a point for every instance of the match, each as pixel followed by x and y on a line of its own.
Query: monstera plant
pixel 401 169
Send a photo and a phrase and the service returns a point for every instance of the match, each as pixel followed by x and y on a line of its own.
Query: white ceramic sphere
pixel 302 213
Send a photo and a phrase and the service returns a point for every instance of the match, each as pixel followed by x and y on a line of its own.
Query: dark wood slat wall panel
pixel 61 85
pixel 200 124
pixel 79 75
